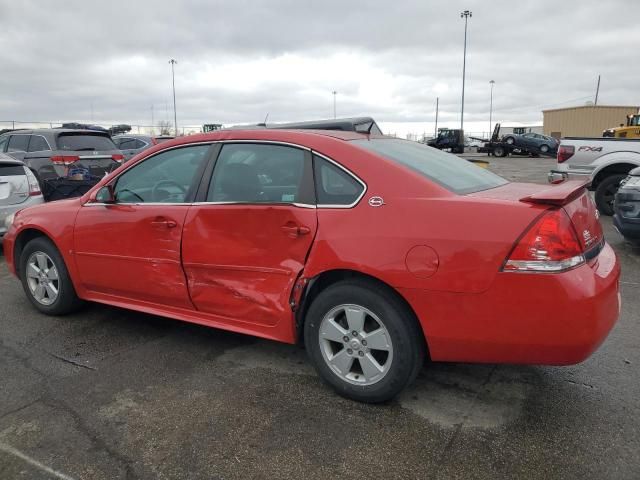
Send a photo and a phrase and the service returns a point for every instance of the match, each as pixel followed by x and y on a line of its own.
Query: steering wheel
pixel 161 183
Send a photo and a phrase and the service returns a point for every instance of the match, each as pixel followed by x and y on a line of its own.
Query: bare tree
pixel 165 127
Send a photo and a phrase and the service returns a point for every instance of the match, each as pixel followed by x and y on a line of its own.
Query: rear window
pixel 84 141
pixel 163 139
pixel 453 173
pixel 11 170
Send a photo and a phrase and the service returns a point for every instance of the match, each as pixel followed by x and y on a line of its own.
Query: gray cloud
pixel 240 60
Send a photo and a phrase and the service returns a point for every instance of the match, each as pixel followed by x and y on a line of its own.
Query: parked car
pixel 533 142
pixel 18 189
pixel 373 251
pixel 603 162
pixel 131 145
pixel 627 207
pixel 54 153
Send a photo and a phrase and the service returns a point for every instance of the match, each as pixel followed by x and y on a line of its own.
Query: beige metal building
pixel 584 121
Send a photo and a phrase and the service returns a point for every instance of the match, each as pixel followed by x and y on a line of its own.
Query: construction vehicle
pixel 448 138
pixel 631 130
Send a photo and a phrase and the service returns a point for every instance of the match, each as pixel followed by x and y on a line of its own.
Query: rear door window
pixel 84 142
pixel 261 173
pixel 18 143
pixel 334 186
pixel 453 173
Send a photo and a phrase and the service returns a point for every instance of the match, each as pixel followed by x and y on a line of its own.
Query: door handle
pixel 295 230
pixel 164 223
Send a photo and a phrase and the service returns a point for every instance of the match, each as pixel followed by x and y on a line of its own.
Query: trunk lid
pixel 14 186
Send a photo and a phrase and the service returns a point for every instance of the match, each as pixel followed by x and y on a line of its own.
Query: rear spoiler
pixel 559 194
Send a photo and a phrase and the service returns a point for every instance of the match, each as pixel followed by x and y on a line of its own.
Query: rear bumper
pixel 628 228
pixel 5 211
pixel 545 319
pixel 555 176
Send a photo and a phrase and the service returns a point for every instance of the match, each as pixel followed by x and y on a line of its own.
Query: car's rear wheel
pixel 544 148
pixel 510 140
pixel 45 278
pixel 606 192
pixel 363 341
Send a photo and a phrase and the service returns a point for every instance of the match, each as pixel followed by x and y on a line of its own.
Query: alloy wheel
pixel 42 278
pixel 355 344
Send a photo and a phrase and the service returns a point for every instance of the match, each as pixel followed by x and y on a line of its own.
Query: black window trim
pixel 348 172
pixel 207 176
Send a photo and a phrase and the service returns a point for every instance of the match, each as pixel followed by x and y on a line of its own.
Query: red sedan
pixel 372 250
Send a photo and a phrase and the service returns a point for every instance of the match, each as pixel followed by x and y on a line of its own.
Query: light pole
pixel 466 14
pixel 173 81
pixel 334 103
pixel 492 83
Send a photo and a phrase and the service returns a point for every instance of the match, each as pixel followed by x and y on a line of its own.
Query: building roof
pixel 621 107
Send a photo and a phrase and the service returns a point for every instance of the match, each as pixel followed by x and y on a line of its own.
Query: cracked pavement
pixel 108 393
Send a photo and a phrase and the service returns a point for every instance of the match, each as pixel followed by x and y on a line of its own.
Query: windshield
pixel 85 141
pixel 453 173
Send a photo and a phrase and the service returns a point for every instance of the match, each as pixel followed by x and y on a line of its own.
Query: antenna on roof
pixel 265 119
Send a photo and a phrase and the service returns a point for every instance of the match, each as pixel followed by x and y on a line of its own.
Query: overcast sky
pixel 240 60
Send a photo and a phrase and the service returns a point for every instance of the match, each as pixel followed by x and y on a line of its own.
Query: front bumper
pixel 544 319
pixel 627 212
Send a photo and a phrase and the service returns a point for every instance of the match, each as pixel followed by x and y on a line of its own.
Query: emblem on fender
pixel 376 201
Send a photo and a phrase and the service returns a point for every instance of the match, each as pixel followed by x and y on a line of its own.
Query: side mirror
pixel 106 195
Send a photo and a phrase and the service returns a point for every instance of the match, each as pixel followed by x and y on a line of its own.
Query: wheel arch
pixel 619 168
pixel 24 237
pixel 315 285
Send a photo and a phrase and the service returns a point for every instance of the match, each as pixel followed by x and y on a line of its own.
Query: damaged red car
pixel 375 252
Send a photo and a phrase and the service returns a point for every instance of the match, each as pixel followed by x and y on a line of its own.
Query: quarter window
pixel 38 144
pixel 169 177
pixel 334 186
pixel 261 173
pixel 18 143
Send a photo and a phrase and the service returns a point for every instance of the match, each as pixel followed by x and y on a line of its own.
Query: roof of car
pixel 41 131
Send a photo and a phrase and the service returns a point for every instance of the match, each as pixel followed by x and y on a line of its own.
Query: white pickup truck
pixel 603 161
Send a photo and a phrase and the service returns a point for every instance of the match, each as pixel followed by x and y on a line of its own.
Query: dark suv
pixel 54 153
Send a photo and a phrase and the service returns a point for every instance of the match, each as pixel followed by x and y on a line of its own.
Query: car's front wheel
pixel 45 278
pixel 363 341
pixel 510 141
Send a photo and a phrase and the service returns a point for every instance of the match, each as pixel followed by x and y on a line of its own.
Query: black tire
pixel 67 300
pixel 605 193
pixel 405 335
pixel 510 141
pixel 499 152
pixel 544 149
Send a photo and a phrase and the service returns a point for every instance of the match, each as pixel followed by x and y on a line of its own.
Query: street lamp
pixel 466 14
pixel 334 103
pixel 492 83
pixel 173 80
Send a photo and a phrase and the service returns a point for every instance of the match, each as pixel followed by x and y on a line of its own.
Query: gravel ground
pixel 109 393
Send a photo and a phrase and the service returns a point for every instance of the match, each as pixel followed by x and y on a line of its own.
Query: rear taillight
pixel 64 159
pixel 565 152
pixel 550 245
pixel 118 158
pixel 34 186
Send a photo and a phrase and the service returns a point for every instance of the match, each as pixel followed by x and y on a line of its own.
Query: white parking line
pixel 17 453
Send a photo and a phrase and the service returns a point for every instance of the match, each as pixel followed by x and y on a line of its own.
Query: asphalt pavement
pixel 109 394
